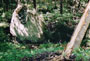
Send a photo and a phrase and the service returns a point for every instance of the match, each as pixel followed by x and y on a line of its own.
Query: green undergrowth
pixel 82 54
pixel 14 52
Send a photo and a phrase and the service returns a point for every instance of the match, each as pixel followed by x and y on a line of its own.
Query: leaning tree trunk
pixel 79 32
pixel 26 24
pixel 78 35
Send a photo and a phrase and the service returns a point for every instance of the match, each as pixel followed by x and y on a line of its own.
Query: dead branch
pixel 3 24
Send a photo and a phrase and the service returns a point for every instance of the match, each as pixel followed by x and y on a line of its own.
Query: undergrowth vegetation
pixel 11 52
pixel 58 30
pixel 82 54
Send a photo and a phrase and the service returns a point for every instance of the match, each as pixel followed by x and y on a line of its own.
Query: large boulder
pixel 26 24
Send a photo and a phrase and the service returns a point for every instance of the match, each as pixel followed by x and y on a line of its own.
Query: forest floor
pixel 42 52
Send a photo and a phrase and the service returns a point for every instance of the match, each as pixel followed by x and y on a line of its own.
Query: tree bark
pixel 77 37
pixel 79 32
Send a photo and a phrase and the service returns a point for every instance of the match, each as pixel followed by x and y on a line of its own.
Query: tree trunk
pixel 88 0
pixel 78 35
pixel 79 32
pixel 61 6
pixel 34 3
